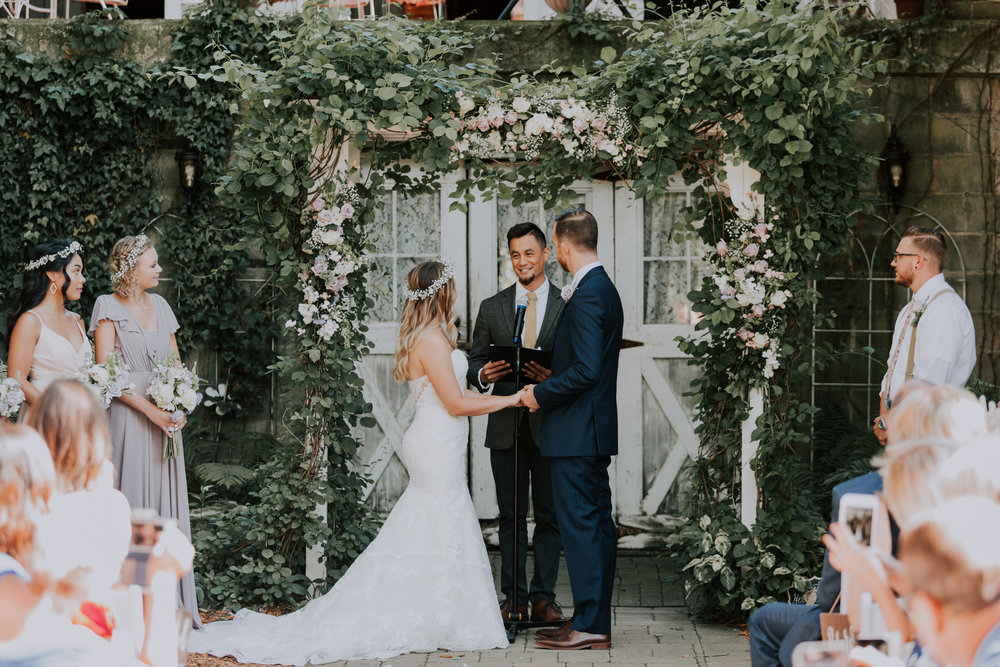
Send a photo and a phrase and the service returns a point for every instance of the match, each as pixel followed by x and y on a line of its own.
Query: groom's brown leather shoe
pixel 551 633
pixel 575 640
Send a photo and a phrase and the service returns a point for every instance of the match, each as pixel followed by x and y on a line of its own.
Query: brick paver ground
pixel 651 628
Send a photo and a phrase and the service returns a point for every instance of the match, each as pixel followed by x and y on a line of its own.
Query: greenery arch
pixel 778 89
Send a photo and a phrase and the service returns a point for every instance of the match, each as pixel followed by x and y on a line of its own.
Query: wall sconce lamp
pixel 894 158
pixel 188 163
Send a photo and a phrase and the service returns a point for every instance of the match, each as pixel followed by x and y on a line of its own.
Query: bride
pixel 424 582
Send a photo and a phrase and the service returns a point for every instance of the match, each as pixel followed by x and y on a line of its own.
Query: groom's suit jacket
pixel 495 324
pixel 578 403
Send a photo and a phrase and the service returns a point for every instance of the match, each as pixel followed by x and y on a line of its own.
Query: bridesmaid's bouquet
pixel 108 380
pixel 11 395
pixel 174 388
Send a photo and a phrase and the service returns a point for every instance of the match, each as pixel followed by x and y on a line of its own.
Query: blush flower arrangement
pixel 523 126
pixel 174 388
pixel 751 287
pixel 323 309
pixel 11 395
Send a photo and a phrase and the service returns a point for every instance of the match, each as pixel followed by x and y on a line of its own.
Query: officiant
pixel 495 325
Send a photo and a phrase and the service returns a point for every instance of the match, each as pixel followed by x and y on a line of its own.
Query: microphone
pixel 520 308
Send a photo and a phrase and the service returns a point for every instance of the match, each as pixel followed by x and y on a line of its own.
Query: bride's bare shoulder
pixel 432 341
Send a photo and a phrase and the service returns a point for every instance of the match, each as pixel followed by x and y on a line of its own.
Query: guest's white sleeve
pixel 946 343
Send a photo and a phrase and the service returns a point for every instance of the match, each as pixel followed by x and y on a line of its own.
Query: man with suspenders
pixel 933 339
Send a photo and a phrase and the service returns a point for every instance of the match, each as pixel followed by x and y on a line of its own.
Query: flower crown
pixel 74 248
pixel 446 275
pixel 141 246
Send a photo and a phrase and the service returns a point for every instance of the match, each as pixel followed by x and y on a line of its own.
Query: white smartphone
pixel 859 512
pixel 820 654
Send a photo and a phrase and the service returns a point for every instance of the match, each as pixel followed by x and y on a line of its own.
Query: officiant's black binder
pixel 507 353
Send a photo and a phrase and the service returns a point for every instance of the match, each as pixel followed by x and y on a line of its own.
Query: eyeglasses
pixel 906 254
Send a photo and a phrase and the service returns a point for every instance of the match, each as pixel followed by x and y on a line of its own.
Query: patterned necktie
pixel 530 330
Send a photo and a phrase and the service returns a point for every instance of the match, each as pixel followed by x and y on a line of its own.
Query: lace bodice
pixel 423 392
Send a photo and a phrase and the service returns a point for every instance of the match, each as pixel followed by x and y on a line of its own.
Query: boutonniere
pixel 567 292
pixel 918 310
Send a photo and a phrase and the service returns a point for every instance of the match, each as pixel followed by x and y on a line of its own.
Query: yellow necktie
pixel 530 330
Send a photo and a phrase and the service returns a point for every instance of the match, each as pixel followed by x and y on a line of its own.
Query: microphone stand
pixel 520 414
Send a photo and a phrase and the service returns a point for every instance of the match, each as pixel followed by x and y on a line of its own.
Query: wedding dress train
pixel 424 583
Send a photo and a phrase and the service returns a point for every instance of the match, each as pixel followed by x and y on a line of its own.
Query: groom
pixel 580 431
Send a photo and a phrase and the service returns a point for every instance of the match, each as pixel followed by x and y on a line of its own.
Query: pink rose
pixel 751 250
pixel 483 125
pixel 567 292
pixel 325 217
pixel 721 248
pixel 511 117
pixel 346 210
pixel 760 266
pixel 757 310
pixel 743 334
pixel 580 126
pixel 496 121
pixel 318 204
pixel 599 123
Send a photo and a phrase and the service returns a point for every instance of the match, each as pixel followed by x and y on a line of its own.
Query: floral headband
pixel 74 248
pixel 446 275
pixel 141 246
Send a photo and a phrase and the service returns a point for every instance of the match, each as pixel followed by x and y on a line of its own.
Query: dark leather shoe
pixel 522 609
pixel 551 633
pixel 546 611
pixel 575 640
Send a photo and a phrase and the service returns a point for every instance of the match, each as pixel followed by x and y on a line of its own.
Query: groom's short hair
pixel 524 229
pixel 579 227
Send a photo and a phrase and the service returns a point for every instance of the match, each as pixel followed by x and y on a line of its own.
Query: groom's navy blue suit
pixel 580 435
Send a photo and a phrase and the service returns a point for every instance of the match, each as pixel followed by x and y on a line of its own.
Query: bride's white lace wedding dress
pixel 424 583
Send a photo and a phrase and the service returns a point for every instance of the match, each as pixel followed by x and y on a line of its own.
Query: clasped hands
pixel 497 370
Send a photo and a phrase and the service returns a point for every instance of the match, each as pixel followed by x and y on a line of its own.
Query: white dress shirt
pixel 946 339
pixel 584 270
pixel 541 300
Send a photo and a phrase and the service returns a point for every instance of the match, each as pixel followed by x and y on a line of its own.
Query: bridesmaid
pixel 48 342
pixel 140 328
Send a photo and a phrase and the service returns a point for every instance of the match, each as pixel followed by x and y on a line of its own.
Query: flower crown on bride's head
pixel 73 248
pixel 446 274
pixel 142 244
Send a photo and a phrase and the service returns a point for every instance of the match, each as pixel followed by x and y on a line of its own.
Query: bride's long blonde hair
pixel 418 316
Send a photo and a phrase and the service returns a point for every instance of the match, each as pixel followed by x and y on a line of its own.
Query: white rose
pixel 538 124
pixel 331 236
pixel 101 376
pixel 778 299
pixel 465 104
pixel 189 399
pixel 760 340
pixel 521 104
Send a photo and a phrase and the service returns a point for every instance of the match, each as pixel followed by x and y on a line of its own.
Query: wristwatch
pixel 881 424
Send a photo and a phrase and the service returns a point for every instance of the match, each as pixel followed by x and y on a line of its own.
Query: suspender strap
pixel 913 336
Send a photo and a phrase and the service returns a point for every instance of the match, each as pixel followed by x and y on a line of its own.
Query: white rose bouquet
pixel 11 395
pixel 174 388
pixel 109 380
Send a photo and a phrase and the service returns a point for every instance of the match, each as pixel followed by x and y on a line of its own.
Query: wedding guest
pixel 951 560
pixel 26 482
pixel 140 328
pixel 933 338
pixel 88 525
pixel 47 341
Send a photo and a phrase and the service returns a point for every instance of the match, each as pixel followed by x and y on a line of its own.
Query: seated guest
pixel 26 481
pixel 920 409
pixel 951 560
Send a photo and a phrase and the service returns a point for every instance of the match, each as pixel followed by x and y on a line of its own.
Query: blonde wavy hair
pixel 27 479
pixel 75 428
pixel 418 316
pixel 124 256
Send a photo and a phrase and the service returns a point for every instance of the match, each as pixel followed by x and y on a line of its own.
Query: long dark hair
pixel 35 283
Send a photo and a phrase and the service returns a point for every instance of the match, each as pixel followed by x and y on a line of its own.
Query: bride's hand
pixel 519 403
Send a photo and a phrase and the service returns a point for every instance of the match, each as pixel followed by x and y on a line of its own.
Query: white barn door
pixel 656 267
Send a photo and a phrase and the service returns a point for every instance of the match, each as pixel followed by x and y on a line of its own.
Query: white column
pixel 749 450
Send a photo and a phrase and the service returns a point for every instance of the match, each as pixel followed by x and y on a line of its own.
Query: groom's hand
pixel 536 372
pixel 528 398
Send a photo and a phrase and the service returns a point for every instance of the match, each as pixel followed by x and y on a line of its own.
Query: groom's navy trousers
pixel 579 436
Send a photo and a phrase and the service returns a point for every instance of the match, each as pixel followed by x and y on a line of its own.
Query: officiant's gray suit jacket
pixel 495 324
